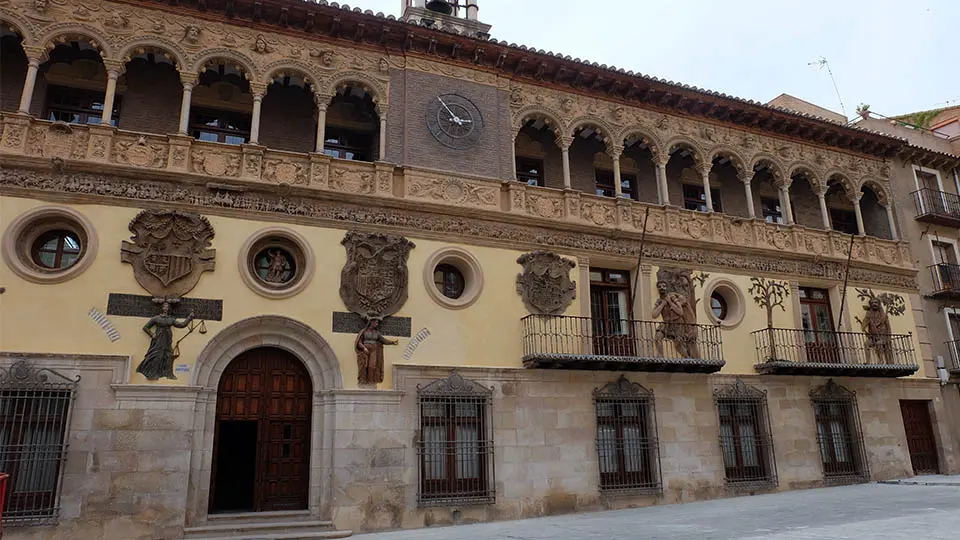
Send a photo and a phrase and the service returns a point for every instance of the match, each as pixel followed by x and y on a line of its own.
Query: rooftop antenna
pixel 823 63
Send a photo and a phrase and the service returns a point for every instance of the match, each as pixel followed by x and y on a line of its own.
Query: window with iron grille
pixel 78 106
pixel 627 446
pixel 455 446
pixel 745 441
pixel 35 409
pixel 838 433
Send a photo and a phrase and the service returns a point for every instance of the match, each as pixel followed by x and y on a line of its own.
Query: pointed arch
pixel 229 56
pixel 549 118
pixel 72 29
pixel 178 56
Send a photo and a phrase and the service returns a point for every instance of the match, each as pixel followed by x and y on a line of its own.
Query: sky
pixel 896 56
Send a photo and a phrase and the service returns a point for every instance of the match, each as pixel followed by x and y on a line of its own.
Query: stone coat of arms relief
pixel 169 251
pixel 373 283
pixel 545 284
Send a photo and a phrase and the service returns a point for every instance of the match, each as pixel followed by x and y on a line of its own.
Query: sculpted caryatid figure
pixel 676 307
pixel 369 345
pixel 876 324
pixel 158 362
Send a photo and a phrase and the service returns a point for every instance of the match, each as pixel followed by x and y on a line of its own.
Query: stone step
pixel 285 526
pixel 233 517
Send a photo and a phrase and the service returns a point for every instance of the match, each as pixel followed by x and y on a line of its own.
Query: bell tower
pixel 458 16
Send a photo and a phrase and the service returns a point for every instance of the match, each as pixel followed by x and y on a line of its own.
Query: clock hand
pixel 452 116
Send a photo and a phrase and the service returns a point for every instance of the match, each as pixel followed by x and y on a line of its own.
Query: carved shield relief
pixel 373 283
pixel 545 284
pixel 168 251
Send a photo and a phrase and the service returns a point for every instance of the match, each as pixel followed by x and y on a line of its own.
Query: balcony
pixel 946 281
pixel 937 207
pixel 253 177
pixel 618 345
pixel 782 351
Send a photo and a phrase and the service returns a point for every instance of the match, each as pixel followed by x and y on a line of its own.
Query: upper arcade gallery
pixel 244 94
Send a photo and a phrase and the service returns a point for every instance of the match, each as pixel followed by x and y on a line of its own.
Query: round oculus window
pixel 718 304
pixel 275 265
pixel 449 280
pixel 56 250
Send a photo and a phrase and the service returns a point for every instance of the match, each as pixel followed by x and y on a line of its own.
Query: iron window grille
pixel 627 446
pixel 455 444
pixel 745 441
pixel 839 435
pixel 35 409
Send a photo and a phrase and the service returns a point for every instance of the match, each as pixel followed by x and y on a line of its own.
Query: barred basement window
pixel 455 447
pixel 627 437
pixel 34 420
pixel 745 441
pixel 838 433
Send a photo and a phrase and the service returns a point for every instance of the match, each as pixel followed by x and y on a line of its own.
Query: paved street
pixel 927 511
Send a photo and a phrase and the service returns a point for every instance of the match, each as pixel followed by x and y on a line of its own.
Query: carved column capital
pixel 855 197
pixel 614 151
pixel 745 176
pixel 661 159
pixel 258 90
pixel 187 78
pixel 564 141
pixel 35 55
pixel 114 68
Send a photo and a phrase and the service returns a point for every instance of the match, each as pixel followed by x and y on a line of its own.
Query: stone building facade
pixel 298 268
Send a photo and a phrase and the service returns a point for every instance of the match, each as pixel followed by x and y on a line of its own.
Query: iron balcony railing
pixel 946 278
pixel 933 204
pixel 840 350
pixel 954 348
pixel 586 342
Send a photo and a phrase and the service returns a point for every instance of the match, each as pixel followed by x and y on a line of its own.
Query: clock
pixel 454 121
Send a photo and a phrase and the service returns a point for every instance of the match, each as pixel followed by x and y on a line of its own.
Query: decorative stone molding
pixel 736 303
pixel 545 284
pixel 467 264
pixel 280 238
pixel 26 228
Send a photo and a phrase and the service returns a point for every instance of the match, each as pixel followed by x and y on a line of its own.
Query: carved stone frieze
pixel 214 163
pixel 540 205
pixel 140 153
pixel 455 191
pixel 169 250
pixel 598 212
pixel 340 214
pixel 545 284
pixel 373 282
pixel 282 171
pixel 352 181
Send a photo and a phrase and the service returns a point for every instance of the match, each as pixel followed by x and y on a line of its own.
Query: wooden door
pixel 271 388
pixel 610 312
pixel 920 439
pixel 817 321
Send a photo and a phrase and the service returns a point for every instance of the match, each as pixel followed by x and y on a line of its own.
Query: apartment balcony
pixel 946 281
pixel 619 345
pixel 250 177
pixel 937 207
pixel 782 351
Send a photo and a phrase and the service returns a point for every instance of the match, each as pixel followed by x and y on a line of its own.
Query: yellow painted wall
pixel 53 318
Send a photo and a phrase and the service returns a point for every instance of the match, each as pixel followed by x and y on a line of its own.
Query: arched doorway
pixel 261 447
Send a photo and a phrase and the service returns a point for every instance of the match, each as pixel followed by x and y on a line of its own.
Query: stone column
pixel 663 192
pixel 382 113
pixel 785 207
pixel 564 142
pixel 322 103
pixel 34 57
pixel 113 73
pixel 861 230
pixel 258 91
pixel 705 176
pixel 513 157
pixel 614 152
pixel 188 80
pixel 892 222
pixel 824 213
pixel 747 178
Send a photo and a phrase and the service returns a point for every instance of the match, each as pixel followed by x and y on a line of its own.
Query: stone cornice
pixel 450 223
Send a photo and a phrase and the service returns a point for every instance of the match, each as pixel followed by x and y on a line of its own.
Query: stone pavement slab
pixel 861 512
pixel 928 480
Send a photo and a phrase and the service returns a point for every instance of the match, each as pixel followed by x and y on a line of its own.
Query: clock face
pixel 454 121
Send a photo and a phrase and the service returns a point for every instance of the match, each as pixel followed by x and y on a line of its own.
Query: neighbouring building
pixel 292 268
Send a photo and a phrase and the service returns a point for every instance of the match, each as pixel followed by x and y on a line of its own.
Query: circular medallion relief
pixel 276 262
pixel 454 121
pixel 49 244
